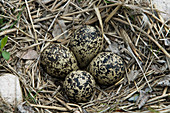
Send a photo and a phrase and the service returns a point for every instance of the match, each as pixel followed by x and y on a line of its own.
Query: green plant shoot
pixel 4 53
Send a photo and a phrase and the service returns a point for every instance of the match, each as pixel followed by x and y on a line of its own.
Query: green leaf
pixel 4 41
pixel 108 1
pixel 6 55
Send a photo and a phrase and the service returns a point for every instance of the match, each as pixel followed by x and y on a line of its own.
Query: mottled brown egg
pixel 107 68
pixel 79 86
pixel 86 43
pixel 57 60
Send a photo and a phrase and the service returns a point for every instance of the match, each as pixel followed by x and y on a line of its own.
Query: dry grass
pixel 135 28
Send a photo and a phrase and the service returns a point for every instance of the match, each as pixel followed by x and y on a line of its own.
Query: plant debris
pixel 137 29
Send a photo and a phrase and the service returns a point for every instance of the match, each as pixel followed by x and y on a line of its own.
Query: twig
pixel 65 104
pixel 87 10
pixel 158 97
pixel 53 22
pixel 105 110
pixel 126 40
pixel 113 13
pixel 35 34
pixel 50 107
pixel 142 31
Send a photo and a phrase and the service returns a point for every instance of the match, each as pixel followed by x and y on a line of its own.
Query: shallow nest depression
pixel 133 29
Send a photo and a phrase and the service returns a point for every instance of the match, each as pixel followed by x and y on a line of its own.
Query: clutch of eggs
pixel 57 60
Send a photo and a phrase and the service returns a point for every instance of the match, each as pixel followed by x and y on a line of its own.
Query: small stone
pixel 163 6
pixel 10 89
pixel 4 107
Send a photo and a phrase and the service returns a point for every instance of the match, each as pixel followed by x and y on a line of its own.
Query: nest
pixel 133 29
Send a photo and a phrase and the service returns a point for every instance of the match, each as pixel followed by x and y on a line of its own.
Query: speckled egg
pixel 79 86
pixel 107 68
pixel 86 43
pixel 57 60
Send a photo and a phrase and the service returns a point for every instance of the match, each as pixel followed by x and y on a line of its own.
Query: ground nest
pixel 133 29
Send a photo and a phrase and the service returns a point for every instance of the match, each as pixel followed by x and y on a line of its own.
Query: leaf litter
pixel 133 29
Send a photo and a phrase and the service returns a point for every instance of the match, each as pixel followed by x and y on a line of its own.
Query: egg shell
pixel 57 60
pixel 79 86
pixel 107 68
pixel 86 43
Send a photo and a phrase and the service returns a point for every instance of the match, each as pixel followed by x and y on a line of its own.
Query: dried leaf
pixel 29 54
pixel 165 81
pixel 99 17
pixel 132 75
pixel 113 47
pixel 159 69
pixel 59 29
pixel 143 97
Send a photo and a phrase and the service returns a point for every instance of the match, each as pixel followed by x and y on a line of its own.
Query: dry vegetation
pixel 135 30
